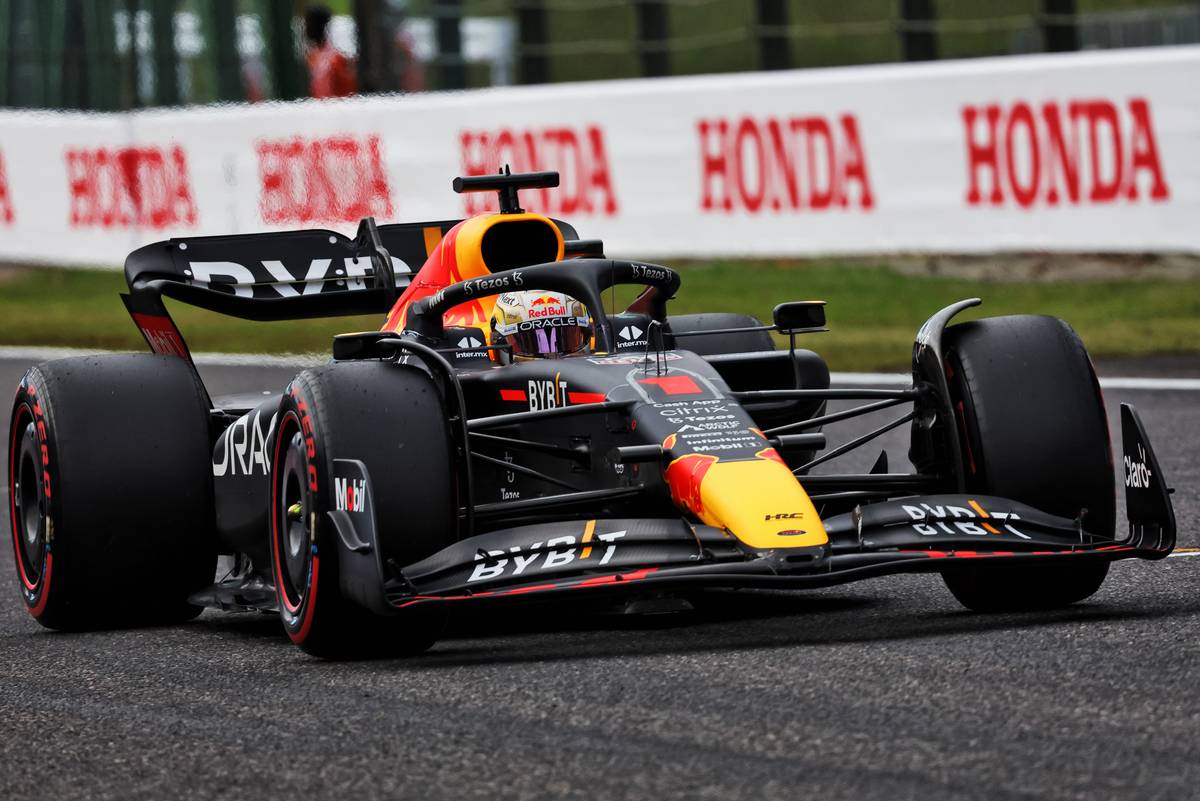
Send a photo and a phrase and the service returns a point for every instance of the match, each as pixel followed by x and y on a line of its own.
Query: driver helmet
pixel 541 325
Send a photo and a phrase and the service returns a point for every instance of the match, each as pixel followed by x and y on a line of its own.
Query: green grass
pixel 717 36
pixel 873 311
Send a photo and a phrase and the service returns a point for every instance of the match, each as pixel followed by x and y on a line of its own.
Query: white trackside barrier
pixel 1096 152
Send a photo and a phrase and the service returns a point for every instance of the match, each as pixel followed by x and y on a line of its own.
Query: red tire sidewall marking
pixel 36 594
pixel 297 619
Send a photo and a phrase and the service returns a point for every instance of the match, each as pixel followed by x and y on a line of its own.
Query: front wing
pixel 633 556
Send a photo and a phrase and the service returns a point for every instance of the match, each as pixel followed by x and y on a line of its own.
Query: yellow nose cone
pixel 761 503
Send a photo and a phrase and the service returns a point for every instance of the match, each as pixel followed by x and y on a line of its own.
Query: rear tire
pixel 716 344
pixel 391 418
pixel 110 487
pixel 1032 420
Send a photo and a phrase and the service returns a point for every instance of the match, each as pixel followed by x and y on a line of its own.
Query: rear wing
pixel 289 274
pixel 286 275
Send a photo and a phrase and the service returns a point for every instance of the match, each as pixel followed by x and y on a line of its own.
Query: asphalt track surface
pixel 885 689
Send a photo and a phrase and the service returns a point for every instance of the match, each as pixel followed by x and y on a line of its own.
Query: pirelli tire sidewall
pixel 359 411
pixel 1031 418
pixel 299 598
pixel 35 573
pixel 124 491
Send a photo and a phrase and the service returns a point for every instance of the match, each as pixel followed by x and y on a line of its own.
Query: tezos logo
pixel 1137 474
pixel 485 284
pixel 350 494
pixel 649 273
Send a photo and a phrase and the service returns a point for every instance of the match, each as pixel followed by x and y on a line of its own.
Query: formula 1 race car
pixel 505 438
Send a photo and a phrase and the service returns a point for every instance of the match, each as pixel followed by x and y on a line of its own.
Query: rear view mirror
pixel 800 316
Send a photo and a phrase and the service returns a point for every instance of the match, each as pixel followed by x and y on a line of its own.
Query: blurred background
pixel 110 55
pixel 1133 304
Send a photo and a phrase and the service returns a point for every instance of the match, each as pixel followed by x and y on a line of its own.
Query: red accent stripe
pixel 22 411
pixel 674 384
pixel 592 582
pixel 534 588
pixel 309 600
pixel 513 395
pixel 43 580
pixel 585 397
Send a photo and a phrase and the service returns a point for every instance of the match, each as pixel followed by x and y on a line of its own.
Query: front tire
pixel 714 344
pixel 1030 414
pixel 391 418
pixel 110 491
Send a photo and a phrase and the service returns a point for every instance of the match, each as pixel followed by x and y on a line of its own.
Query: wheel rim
pixel 29 503
pixel 295 503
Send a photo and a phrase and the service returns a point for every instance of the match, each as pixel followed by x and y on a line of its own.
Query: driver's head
pixel 543 325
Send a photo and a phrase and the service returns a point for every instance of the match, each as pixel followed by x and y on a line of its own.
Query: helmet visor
pixel 563 336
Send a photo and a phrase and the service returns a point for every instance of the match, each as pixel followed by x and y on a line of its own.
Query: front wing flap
pixel 927 534
pixel 919 534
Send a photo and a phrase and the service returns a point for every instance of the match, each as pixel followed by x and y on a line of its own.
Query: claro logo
pixel 1137 474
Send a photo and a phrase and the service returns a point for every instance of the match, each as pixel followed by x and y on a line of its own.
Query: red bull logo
pixel 546 306
pixel 684 476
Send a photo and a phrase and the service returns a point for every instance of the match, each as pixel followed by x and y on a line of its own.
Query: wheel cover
pixel 28 499
pixel 295 503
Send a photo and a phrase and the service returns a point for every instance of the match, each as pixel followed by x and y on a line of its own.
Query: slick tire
pixel 391 418
pixel 1032 420
pixel 110 491
pixel 717 344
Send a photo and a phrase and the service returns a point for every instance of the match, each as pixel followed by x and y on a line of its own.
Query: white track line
pixel 901 379
pixel 39 354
